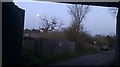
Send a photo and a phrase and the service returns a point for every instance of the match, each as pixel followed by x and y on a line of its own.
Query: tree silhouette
pixel 50 24
pixel 78 13
pixel 113 11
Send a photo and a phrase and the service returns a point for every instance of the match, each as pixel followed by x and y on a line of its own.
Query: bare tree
pixel 50 24
pixel 78 13
pixel 113 11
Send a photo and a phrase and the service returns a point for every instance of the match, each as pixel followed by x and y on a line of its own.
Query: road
pixel 102 58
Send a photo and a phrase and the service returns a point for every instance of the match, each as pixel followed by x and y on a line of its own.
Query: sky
pixel 98 20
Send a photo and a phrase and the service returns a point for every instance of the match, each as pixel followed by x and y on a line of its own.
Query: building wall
pixel 12 32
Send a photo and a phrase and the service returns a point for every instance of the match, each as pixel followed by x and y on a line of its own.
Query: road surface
pixel 102 58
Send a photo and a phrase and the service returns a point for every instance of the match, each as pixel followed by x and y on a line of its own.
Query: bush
pixel 79 38
pixel 100 39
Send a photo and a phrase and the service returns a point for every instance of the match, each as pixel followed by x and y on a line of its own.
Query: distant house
pixel 35 33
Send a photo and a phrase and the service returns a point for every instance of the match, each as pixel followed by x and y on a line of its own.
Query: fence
pixel 33 47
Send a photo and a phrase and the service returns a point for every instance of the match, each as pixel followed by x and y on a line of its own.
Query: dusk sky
pixel 98 21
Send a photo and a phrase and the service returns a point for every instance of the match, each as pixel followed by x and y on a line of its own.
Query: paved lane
pixel 103 58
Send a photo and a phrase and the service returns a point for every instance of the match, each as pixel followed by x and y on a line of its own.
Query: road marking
pixel 101 61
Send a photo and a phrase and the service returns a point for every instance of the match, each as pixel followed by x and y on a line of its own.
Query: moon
pixel 37 15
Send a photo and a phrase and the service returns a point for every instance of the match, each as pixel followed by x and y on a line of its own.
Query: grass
pixel 31 60
pixel 59 57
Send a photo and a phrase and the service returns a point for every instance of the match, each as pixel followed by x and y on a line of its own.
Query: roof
pixel 106 4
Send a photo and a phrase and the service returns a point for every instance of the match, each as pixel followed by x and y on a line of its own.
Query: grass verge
pixel 54 58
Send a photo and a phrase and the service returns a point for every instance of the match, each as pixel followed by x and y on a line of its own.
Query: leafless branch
pixel 113 11
pixel 78 13
pixel 50 24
